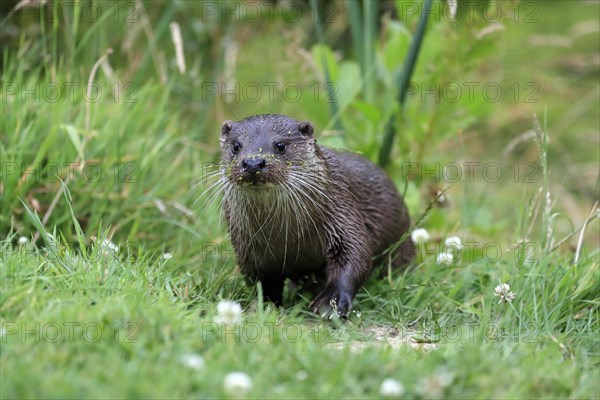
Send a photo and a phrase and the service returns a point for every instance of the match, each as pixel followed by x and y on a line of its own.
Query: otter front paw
pixel 332 300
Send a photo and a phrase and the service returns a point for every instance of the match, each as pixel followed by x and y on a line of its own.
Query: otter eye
pixel 280 147
pixel 236 147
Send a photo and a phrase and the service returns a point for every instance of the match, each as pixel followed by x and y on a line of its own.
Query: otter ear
pixel 305 128
pixel 226 127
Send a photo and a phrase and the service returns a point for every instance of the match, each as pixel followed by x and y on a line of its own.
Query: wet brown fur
pixel 307 210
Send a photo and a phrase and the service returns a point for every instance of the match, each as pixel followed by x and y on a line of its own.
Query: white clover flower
pixel 193 361
pixel 419 235
pixel 391 388
pixel 445 258
pixel 454 242
pixel 167 256
pixel 237 384
pixel 110 245
pixel 279 389
pixel 23 240
pixel 433 386
pixel 301 375
pixel 503 290
pixel 228 312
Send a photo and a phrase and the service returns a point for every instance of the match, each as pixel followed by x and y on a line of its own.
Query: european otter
pixel 296 208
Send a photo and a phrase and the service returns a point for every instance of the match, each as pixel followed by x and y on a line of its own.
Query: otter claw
pixel 332 302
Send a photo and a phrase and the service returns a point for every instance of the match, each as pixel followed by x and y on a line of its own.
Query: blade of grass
pixel 368 46
pixel 407 71
pixel 356 29
pixel 543 148
pixel 333 102
pixel 76 225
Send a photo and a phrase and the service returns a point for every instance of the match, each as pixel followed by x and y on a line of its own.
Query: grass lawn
pixel 116 272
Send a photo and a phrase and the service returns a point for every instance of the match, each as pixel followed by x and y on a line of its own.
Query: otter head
pixel 262 151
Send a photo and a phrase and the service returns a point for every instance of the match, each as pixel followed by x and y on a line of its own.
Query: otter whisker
pixel 255 211
pixel 286 237
pixel 215 185
pixel 214 193
pixel 310 175
pixel 206 176
pixel 302 200
pixel 300 217
pixel 307 184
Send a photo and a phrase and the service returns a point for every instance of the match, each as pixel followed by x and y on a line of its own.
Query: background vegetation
pixel 127 162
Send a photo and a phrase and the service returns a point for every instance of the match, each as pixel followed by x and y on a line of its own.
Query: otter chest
pixel 274 234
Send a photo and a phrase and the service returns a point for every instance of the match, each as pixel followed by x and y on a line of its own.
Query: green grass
pixel 100 325
pixel 81 321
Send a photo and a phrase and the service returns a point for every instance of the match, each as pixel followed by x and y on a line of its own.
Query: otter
pixel 295 208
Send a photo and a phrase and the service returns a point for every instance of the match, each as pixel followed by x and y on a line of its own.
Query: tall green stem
pixel 407 71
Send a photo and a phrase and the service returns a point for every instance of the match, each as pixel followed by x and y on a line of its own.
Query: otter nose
pixel 253 165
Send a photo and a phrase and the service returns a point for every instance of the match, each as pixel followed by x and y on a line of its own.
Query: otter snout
pixel 253 165
pixel 254 170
